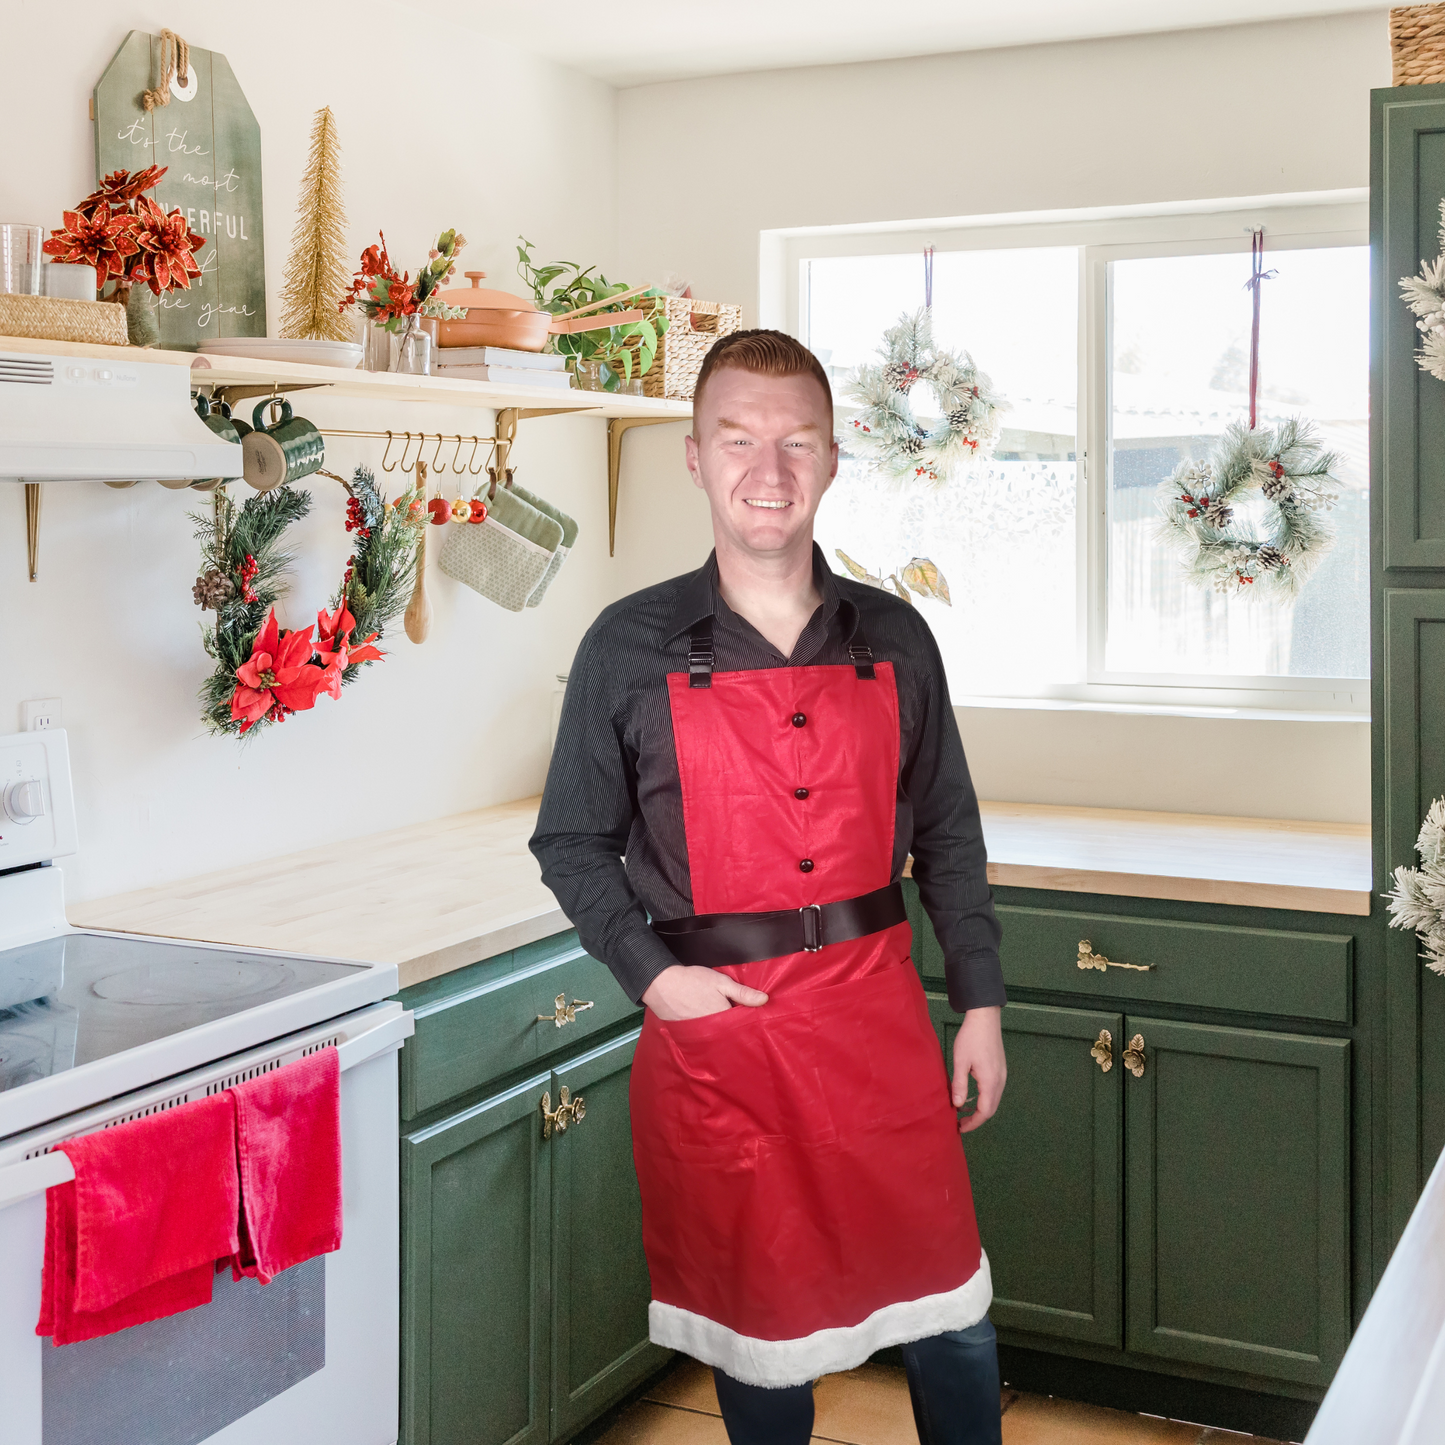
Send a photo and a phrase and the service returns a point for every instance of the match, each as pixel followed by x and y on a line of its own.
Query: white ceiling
pixel 634 42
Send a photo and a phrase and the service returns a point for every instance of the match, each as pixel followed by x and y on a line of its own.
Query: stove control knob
pixel 24 802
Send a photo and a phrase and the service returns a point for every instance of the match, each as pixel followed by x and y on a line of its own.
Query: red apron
pixel 805 1199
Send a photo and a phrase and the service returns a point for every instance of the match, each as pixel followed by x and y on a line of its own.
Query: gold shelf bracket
pixel 32 527
pixel 617 428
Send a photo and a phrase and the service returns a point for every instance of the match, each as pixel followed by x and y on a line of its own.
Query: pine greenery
pixel 1425 296
pixel 1418 898
pixel 317 274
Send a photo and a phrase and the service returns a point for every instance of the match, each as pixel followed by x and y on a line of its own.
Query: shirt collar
pixel 701 598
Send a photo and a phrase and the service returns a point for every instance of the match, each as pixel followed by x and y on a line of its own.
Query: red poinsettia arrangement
pixel 286 671
pixel 383 294
pixel 118 222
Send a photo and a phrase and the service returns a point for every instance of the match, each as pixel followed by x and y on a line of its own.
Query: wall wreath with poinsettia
pixel 265 672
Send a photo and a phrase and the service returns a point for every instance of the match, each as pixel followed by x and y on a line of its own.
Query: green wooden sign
pixel 209 139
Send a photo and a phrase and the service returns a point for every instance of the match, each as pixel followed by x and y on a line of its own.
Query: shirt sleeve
pixel 950 862
pixel 587 810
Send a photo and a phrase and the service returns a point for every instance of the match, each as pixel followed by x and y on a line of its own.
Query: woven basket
pixel 54 318
pixel 1417 44
pixel 693 328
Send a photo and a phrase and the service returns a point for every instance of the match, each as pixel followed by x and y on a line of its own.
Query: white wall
pixel 1240 111
pixel 525 146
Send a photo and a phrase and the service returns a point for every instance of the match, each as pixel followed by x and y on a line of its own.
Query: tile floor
pixel 869 1406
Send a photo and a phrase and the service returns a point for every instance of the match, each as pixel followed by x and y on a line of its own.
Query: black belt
pixel 713 939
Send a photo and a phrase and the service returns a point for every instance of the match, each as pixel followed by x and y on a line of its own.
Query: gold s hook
pixel 405 465
pixel 436 452
pixel 456 453
pixel 471 470
pixel 389 439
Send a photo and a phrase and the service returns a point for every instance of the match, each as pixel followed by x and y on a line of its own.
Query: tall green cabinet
pixel 1407 524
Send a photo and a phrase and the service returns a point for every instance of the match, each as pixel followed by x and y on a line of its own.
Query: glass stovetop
pixel 71 1000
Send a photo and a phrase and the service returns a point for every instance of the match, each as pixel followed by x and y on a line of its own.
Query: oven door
pixel 311 1356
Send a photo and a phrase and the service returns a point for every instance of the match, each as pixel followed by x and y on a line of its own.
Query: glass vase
pixel 411 350
pixel 377 343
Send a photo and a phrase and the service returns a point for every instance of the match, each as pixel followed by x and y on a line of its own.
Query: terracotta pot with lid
pixel 498 318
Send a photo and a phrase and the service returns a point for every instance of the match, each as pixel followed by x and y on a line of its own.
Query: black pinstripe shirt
pixel 613 790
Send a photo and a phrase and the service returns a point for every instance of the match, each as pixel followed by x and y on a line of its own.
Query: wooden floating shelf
pixel 245 376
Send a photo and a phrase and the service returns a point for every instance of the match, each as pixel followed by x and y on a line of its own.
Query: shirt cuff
pixel 637 959
pixel 975 981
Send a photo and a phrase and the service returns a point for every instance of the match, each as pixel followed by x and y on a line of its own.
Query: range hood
pixel 74 419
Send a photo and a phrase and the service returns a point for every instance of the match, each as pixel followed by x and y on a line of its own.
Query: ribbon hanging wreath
pixel 1286 466
pixel 887 432
pixel 264 672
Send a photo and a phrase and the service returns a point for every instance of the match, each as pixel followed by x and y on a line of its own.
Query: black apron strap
pixel 861 654
pixel 700 653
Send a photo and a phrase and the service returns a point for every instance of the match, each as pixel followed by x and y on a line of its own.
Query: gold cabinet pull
pixel 568 1111
pixel 1089 959
pixel 1134 1056
pixel 1103 1051
pixel 564 1012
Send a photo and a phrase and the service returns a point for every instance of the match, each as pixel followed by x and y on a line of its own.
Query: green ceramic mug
pixel 217 416
pixel 291 449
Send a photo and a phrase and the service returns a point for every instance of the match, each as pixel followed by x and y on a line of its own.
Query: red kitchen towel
pixel 151 1208
pixel 288 1139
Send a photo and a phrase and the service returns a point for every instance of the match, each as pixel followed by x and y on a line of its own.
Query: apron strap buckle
pixel 700 654
pixel 812 919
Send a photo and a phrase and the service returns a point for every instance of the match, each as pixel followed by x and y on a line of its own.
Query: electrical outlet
pixel 41 715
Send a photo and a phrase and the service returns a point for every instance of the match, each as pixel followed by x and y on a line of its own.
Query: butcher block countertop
pixel 437 896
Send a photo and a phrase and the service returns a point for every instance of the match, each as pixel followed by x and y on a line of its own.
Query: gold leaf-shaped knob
pixel 564 1012
pixel 1134 1056
pixel 1103 1051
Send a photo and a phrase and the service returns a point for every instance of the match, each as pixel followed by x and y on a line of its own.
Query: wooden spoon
pixel 417 620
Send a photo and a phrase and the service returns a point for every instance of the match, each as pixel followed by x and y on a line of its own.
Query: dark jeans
pixel 952 1379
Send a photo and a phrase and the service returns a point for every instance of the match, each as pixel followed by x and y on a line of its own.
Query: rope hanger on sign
pixel 175 61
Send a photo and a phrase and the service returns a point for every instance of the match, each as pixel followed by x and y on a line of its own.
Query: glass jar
pixel 20 258
pixel 411 349
pixel 376 341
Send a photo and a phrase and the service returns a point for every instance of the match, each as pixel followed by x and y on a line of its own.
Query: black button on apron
pixel 799 718
pixel 800 793
pixel 806 866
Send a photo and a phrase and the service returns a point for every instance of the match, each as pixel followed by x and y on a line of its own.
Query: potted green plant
pixel 606 358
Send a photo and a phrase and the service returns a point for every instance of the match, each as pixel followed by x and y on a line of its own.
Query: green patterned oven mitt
pixel 569 536
pixel 506 557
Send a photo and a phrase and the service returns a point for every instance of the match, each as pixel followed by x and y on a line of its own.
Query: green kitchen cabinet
pixel 476 1260
pixel 524 1284
pixel 1237 1188
pixel 600 1290
pixel 1046 1174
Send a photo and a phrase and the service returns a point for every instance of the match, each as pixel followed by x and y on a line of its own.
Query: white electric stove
pixel 97 1028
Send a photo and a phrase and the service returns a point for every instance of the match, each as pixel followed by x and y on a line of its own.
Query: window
pixel 1127 340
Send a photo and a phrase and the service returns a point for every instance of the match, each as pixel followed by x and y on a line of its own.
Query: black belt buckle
pixel 812 916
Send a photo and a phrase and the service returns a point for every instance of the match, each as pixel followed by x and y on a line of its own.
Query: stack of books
pixel 497 363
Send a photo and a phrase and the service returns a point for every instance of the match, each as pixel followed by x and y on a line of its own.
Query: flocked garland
pixel 263 672
pixel 1425 296
pixel 1289 469
pixel 1418 898
pixel 887 433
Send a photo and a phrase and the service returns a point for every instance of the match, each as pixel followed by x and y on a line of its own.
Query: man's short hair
pixel 768 353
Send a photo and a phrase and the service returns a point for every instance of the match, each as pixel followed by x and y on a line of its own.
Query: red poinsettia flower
pixel 121 186
pixel 278 678
pixel 167 248
pixel 335 647
pixel 102 240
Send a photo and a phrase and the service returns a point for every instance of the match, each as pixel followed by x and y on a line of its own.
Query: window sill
pixel 1153 709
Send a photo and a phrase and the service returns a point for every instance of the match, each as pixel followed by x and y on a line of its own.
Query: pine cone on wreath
pixel 1270 557
pixel 959 418
pixel 911 446
pixel 1217 514
pixel 212 590
pixel 899 375
pixel 1277 489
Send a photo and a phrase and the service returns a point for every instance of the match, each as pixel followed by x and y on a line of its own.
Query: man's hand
pixel 978 1050
pixel 683 991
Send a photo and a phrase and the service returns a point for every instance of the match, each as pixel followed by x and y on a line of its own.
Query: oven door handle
pixel 35 1176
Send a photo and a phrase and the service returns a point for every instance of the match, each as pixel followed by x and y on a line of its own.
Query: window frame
pixel 1291 222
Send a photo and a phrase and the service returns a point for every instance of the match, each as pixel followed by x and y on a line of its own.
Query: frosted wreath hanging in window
pixel 1284 467
pixel 1418 898
pixel 887 433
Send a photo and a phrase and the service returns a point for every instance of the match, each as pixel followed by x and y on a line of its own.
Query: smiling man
pixel 765 743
